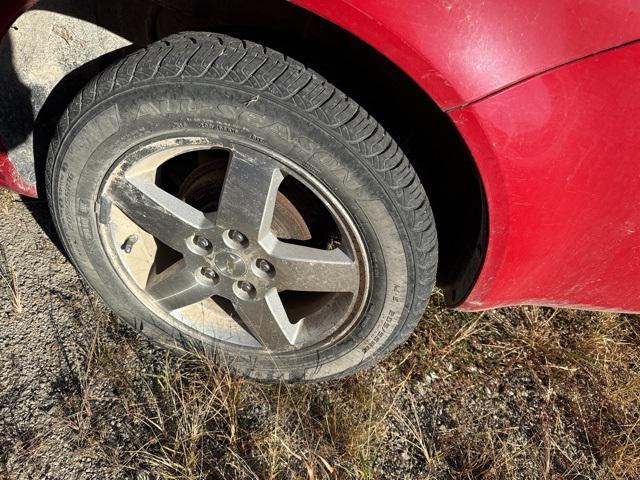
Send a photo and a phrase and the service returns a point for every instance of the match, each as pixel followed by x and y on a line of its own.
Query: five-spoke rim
pixel 231 253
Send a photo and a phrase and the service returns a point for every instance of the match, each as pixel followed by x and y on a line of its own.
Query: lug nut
pixel 264 265
pixel 246 287
pixel 209 273
pixel 237 237
pixel 244 290
pixel 202 242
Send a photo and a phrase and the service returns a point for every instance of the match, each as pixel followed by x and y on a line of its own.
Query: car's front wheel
pixel 219 195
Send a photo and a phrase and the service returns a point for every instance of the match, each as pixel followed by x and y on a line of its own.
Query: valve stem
pixel 129 243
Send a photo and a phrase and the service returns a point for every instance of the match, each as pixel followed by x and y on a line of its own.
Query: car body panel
pixel 559 157
pixel 10 178
pixel 461 50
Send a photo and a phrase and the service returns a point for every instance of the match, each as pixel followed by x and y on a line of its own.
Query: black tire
pixel 178 82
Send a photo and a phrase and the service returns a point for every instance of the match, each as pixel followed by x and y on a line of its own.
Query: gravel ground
pixel 43 350
pixel 516 394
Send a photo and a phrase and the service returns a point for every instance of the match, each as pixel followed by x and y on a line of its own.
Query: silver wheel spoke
pixel 302 268
pixel 157 212
pixel 268 321
pixel 177 287
pixel 249 194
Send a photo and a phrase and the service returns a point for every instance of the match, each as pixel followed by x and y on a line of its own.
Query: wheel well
pixel 425 133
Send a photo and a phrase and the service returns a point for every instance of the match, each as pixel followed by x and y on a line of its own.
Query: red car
pixel 283 183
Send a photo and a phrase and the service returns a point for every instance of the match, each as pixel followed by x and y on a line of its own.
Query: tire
pixel 213 90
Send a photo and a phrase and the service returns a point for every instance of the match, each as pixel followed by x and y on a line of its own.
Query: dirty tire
pixel 218 85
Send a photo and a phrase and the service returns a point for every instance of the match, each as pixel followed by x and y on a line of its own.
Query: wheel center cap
pixel 230 264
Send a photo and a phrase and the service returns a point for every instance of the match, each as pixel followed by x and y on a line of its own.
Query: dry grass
pixel 185 417
pixel 10 280
pixel 205 422
pixel 520 393
pixel 7 199
pixel 537 393
pixel 8 276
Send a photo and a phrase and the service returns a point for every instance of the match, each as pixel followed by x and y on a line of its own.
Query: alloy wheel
pixel 238 261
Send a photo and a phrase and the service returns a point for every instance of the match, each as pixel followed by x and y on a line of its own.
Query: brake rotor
pixel 202 189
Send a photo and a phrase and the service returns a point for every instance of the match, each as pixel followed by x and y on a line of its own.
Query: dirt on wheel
pixel 520 393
